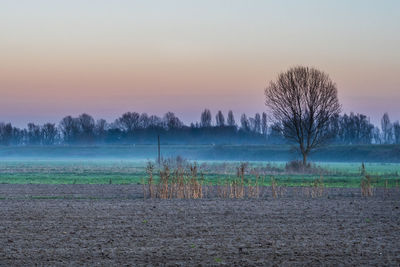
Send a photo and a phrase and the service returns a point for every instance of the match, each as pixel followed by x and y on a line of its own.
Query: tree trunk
pixel 304 159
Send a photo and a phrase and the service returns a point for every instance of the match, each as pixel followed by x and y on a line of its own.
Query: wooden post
pixel 159 153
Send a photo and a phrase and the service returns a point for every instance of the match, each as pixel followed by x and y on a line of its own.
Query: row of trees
pixel 357 129
pixel 133 127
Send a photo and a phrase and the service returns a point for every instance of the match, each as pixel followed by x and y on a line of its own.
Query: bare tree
pixel 264 124
pixel 155 121
pixel 49 133
pixel 302 101
pixel 396 132
pixel 257 123
pixel 144 121
pixel 231 119
pixel 5 133
pixel 69 128
pixel 18 136
pixel 171 121
pixel 376 135
pixel 205 119
pixel 387 129
pixel 129 121
pixel 244 122
pixel 220 119
pixel 252 124
pixel 100 130
pixel 87 127
pixel 34 134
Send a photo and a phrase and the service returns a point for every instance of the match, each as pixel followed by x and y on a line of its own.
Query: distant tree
pixel 220 119
pixel 334 127
pixel 6 131
pixel 302 101
pixel 231 119
pixel 144 121
pixel 244 122
pixel 34 134
pixel 257 123
pixel 345 129
pixel 205 118
pixel 69 128
pixel 376 133
pixel 114 133
pixel 387 129
pixel 364 129
pixel 49 133
pixel 353 129
pixel 100 130
pixel 396 131
pixel 171 121
pixel 264 124
pixel 155 121
pixel 86 127
pixel 18 136
pixel 129 121
pixel 276 136
pixel 252 124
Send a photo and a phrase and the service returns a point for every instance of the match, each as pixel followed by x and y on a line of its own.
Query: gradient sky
pixel 106 57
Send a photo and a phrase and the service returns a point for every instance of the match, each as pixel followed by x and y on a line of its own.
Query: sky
pixel 104 58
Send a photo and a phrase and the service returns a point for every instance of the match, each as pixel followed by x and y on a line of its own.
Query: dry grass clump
pixel 318 188
pixel 236 188
pixel 366 183
pixel 363 172
pixel 274 187
pixel 297 167
pixel 315 189
pixel 253 189
pixel 223 189
pixel 240 187
pixel 175 162
pixel 277 191
pixel 178 183
pixel 185 182
pixel 386 191
pixel 149 171
pixel 366 186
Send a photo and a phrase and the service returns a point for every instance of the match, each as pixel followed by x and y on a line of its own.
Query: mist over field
pixel 263 153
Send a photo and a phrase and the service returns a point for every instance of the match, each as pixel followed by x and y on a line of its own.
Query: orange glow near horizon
pixel 184 57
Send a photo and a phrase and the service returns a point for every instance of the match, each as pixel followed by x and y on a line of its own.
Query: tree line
pixel 136 128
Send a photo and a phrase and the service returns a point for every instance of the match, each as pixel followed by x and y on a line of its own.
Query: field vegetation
pixel 125 171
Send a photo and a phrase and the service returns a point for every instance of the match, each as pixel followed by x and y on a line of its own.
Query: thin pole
pixel 159 154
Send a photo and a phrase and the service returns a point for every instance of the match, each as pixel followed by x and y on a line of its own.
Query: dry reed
pixel 366 183
pixel 318 188
pixel 186 182
pixel 277 191
pixel 366 186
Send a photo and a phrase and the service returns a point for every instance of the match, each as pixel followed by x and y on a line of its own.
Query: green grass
pixel 215 172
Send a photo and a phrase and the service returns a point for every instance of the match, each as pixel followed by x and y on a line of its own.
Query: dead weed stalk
pixel 366 186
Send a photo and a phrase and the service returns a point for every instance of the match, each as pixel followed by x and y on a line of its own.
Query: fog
pixel 265 153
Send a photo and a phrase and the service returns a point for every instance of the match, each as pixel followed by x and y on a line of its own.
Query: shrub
pixel 296 166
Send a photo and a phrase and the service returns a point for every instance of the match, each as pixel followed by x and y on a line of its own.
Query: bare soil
pixel 113 225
